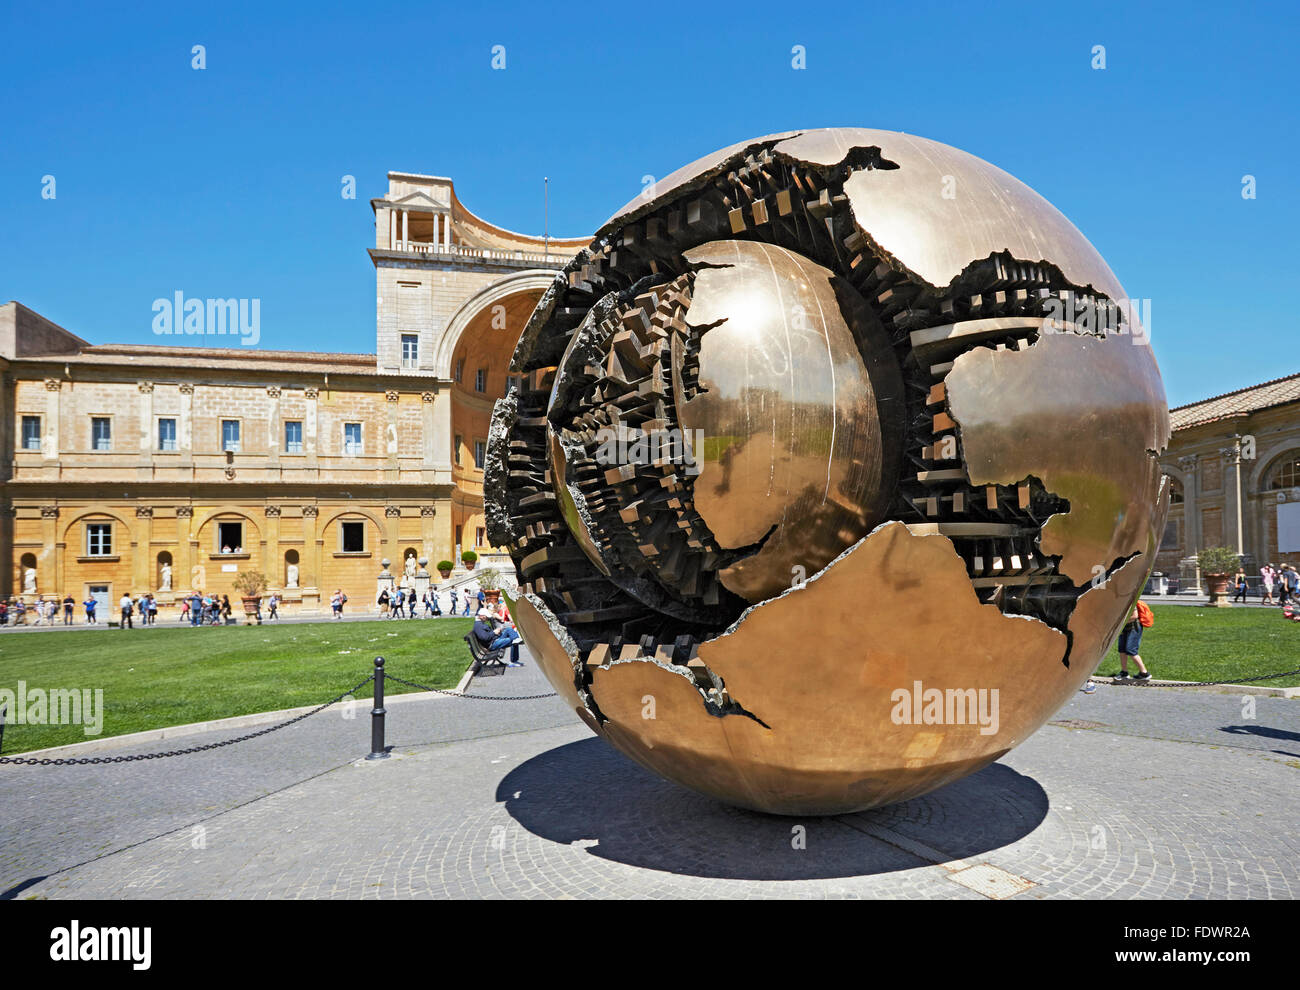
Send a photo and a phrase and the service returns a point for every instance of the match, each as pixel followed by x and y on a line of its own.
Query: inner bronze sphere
pixel 832 472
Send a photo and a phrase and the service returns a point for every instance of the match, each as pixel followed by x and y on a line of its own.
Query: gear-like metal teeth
pixel 650 526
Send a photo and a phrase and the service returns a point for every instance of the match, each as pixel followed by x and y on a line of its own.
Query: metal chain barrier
pixel 1239 680
pixel 473 697
pixel 192 749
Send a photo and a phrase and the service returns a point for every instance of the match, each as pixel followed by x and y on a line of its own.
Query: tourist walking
pixel 453 601
pixel 126 606
pixel 382 602
pixel 225 609
pixel 1130 638
pixel 1266 575
pixel 1239 582
pixel 69 603
pixel 1291 581
pixel 275 605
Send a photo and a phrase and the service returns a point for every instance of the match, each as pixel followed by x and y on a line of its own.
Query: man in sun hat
pixel 497 637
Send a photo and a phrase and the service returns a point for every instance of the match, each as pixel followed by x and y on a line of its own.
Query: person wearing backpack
pixel 1130 637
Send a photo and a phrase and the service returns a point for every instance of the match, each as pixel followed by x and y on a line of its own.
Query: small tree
pixel 444 566
pixel 250 584
pixel 490 580
pixel 1218 560
pixel 469 557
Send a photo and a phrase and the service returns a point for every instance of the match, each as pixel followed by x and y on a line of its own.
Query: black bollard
pixel 377 749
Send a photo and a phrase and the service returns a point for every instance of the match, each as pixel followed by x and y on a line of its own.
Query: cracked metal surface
pixel 859 349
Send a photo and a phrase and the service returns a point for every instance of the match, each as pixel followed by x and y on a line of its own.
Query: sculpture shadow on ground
pixel 587 794
pixel 1265 732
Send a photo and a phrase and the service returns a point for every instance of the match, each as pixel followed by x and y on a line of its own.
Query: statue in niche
pixel 291 576
pixel 410 564
pixel 29 581
pixel 165 578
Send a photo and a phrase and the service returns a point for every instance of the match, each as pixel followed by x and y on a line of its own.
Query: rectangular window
pixel 480 380
pixel 293 436
pixel 512 383
pixel 230 434
pixel 460 442
pixel 460 370
pixel 166 434
pixel 101 433
pixel 352 537
pixel 410 350
pixel 480 454
pixel 230 537
pixel 480 535
pixel 352 438
pixel 99 539
pixel 31 433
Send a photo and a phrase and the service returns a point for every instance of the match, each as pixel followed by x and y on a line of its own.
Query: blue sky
pixel 225 182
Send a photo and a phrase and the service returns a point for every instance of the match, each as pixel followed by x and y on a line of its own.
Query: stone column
pixel 142 562
pixel 145 472
pixel 49 570
pixel 428 531
pixel 446 233
pixel 441 437
pixel 309 444
pixel 406 240
pixel 1191 511
pixel 183 565
pixel 392 541
pixel 393 399
pixel 271 564
pixel 392 229
pixel 309 564
pixel 273 432
pixel 437 225
pixel 50 443
pixel 185 427
pixel 1232 497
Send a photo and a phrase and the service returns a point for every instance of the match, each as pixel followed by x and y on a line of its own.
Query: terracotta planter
pixel 470 565
pixel 1218 587
pixel 445 574
pixel 251 603
pixel 491 597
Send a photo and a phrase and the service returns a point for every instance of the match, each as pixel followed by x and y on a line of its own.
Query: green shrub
pixel 1218 560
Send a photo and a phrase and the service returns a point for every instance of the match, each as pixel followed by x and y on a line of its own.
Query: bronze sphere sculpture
pixel 832 471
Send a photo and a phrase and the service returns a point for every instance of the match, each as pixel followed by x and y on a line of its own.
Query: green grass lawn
pixel 1214 644
pixel 171 675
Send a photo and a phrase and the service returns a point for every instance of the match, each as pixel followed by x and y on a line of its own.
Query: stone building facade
pixel 164 469
pixel 1234 465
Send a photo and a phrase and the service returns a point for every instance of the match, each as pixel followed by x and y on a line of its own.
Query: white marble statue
pixel 165 582
pixel 291 575
pixel 410 564
pixel 29 581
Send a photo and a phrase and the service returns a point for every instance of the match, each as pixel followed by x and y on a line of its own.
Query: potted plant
pixel 469 558
pixel 444 568
pixel 250 585
pixel 489 581
pixel 1217 566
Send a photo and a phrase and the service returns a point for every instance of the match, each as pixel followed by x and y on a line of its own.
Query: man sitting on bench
pixel 497 638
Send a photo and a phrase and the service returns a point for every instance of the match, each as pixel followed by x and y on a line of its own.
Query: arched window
pixel 1285 472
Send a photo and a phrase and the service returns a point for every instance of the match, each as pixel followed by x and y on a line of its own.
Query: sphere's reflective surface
pixel 832 472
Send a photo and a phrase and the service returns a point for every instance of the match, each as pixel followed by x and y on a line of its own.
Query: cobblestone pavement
pixel 1134 792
